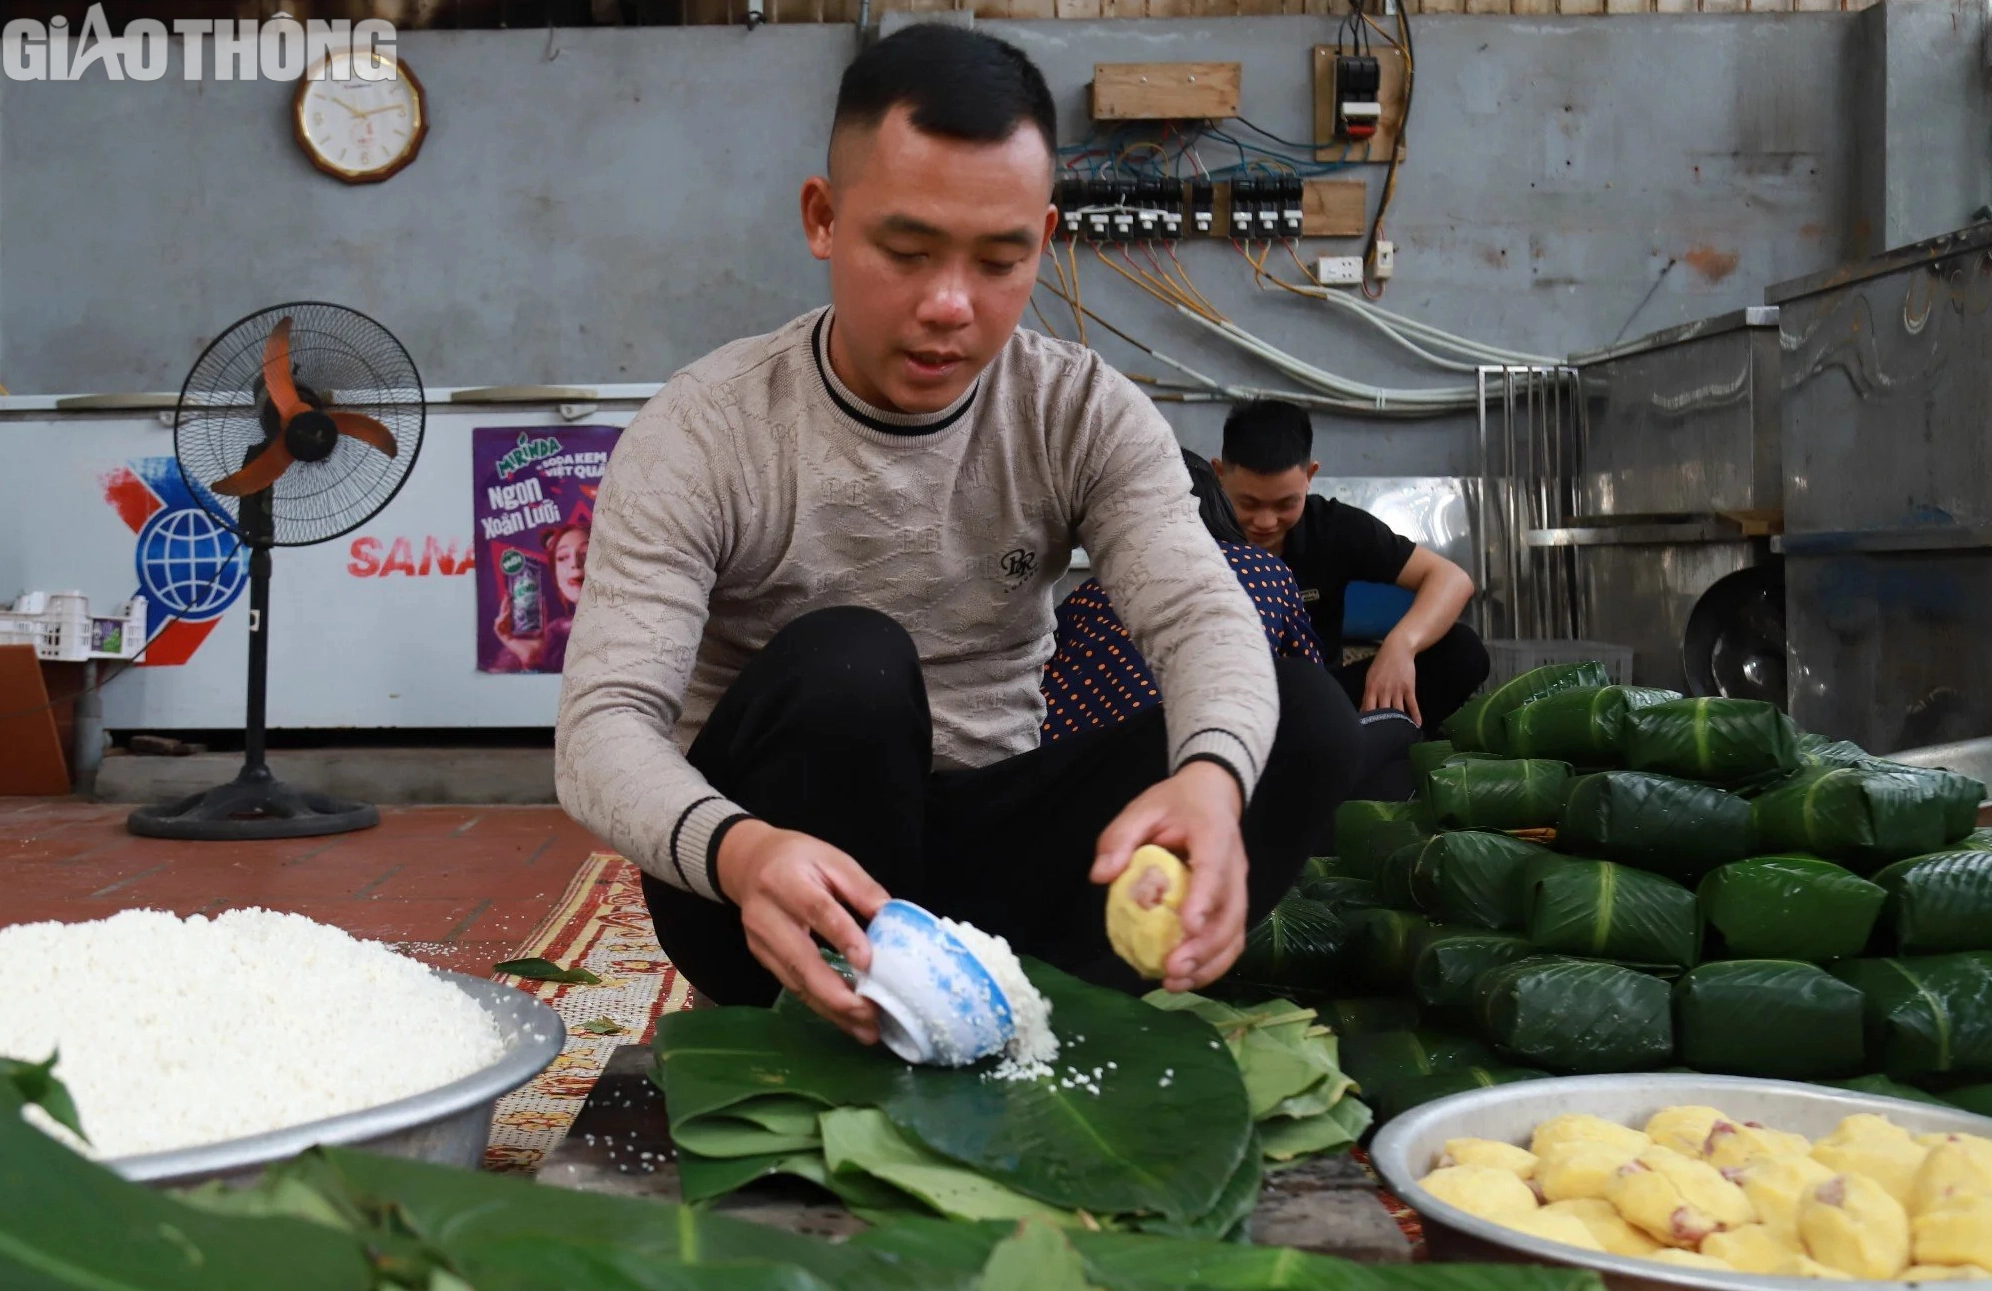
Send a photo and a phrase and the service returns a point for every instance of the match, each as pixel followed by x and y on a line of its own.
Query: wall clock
pixel 358 130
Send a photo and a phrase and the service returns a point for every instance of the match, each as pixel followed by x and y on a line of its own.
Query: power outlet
pixel 1386 260
pixel 1340 271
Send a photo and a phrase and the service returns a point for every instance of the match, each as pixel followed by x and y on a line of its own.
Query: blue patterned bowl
pixel 938 1004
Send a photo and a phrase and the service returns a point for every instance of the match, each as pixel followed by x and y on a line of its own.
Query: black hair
pixel 961 84
pixel 1268 436
pixel 1212 503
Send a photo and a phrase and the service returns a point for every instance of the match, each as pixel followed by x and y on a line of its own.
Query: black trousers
pixel 1449 671
pixel 827 731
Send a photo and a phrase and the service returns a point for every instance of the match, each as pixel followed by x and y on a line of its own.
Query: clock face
pixel 358 130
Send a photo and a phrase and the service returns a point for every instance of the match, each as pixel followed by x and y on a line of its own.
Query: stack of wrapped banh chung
pixel 1600 878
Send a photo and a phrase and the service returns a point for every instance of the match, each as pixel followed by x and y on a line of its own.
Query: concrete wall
pixel 604 205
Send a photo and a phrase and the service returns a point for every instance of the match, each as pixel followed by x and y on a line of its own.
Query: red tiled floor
pixel 460 886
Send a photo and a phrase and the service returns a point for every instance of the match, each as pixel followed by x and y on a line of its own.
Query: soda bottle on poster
pixel 523 586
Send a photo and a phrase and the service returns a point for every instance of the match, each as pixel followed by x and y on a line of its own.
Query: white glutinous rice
pixel 1032 1047
pixel 174 1033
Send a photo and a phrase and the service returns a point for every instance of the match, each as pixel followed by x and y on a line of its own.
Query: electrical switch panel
pixel 1114 210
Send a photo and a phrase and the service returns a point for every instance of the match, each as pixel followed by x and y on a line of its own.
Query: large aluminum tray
pixel 1407 1148
pixel 449 1125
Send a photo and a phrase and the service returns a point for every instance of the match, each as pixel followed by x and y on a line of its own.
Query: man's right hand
pixel 788 884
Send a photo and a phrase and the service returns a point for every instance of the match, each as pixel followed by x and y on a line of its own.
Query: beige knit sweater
pixel 755 488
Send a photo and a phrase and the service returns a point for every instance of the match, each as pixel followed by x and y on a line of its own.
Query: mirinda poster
pixel 535 504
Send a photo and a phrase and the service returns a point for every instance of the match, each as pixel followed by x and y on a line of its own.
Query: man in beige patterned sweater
pixel 804 672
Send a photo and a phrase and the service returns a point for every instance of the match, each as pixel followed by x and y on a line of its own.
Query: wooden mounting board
pixel 1334 208
pixel 1390 92
pixel 1165 91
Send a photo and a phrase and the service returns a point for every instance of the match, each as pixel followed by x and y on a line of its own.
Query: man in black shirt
pixel 1430 663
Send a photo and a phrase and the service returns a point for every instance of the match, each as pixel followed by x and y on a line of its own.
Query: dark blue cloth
pixel 1095 676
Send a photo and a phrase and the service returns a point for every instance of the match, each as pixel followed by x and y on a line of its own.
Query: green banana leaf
pixel 1366 1016
pixel 1480 726
pixel 1475 878
pixel 861 1140
pixel 1034 1258
pixel 506 1233
pixel 1288 1140
pixel 1401 1098
pixel 1939 903
pixel 1341 895
pixel 1367 832
pixel 1719 741
pixel 1300 945
pixel 1381 1061
pixel 1775 1018
pixel 1787 907
pixel 1930 1015
pixel 1229 1219
pixel 1960 794
pixel 1862 817
pixel 38 1086
pixel 1277 1059
pixel 1575 1016
pixel 67 1222
pixel 1386 942
pixel 1584 726
pixel 1607 911
pixel 1818 751
pixel 1463 729
pixel 1129 1262
pixel 1329 867
pixel 1883 1087
pixel 1976 1099
pixel 1655 822
pixel 1425 757
pixel 1163 1137
pixel 1523 793
pixel 1444 972
pixel 1397 878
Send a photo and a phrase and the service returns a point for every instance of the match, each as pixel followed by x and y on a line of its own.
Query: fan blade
pixel 368 431
pixel 258 475
pixel 277 373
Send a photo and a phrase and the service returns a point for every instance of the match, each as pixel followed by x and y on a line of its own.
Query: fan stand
pixel 255 804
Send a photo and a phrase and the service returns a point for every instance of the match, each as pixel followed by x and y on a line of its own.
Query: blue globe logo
pixel 188 565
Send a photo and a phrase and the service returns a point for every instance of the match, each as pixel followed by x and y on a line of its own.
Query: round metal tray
pixel 449 1125
pixel 1408 1148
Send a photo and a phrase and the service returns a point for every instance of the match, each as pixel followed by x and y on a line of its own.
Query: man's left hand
pixel 1393 682
pixel 1194 813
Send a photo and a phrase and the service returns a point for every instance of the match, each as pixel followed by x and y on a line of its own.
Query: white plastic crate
pixel 1510 659
pixel 61 628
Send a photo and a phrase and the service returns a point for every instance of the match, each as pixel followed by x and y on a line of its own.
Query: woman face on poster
pixel 569 553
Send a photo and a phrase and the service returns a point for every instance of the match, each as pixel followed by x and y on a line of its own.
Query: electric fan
pixel 298 424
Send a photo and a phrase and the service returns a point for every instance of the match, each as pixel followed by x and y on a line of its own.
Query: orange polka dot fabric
pixel 1097 678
